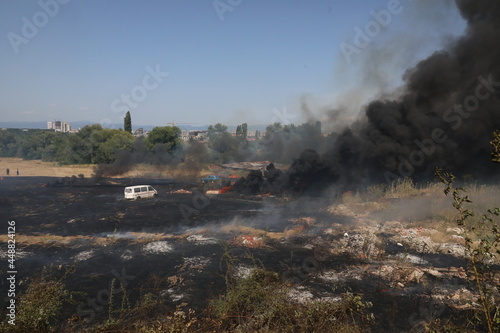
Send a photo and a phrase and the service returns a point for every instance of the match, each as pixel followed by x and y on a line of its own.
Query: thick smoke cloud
pixel 444 117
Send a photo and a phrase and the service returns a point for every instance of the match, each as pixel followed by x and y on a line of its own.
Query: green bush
pixel 262 303
pixel 39 306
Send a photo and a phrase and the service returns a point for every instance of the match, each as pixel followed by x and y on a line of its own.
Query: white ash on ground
pixel 242 271
pixel 200 239
pixel 300 295
pixel 84 255
pixel 195 263
pixel 126 255
pixel 158 247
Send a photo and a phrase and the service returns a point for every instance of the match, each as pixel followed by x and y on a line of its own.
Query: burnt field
pixel 180 244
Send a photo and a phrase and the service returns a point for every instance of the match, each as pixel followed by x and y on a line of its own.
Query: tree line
pixel 94 144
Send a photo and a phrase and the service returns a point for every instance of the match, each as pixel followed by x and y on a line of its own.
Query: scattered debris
pixel 180 191
pixel 248 241
pixel 194 263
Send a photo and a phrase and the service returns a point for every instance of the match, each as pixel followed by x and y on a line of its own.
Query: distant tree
pixel 119 141
pixel 127 123
pixel 166 135
pixel 38 144
pixel 241 131
pixel 223 145
pixel 244 130
pixel 75 151
pixel 217 129
pixel 8 143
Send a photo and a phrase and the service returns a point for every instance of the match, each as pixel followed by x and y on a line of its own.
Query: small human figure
pixel 8 171
pixel 17 172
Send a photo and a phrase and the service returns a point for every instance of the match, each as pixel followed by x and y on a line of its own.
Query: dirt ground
pixel 179 238
pixel 39 168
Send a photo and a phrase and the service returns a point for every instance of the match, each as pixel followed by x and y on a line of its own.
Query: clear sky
pixel 205 61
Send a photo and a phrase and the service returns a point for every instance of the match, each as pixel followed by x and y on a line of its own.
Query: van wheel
pixel 137 197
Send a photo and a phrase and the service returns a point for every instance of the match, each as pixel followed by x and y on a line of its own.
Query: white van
pixel 140 191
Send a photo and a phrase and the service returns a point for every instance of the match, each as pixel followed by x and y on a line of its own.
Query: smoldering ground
pixel 312 243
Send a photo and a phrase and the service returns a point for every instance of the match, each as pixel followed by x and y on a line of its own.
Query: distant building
pixel 195 135
pixel 59 126
pixel 140 132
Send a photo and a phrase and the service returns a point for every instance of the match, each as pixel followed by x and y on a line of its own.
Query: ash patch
pixel 19 254
pixel 158 247
pixel 84 255
pixel 414 259
pixel 173 294
pixel 196 263
pixel 201 240
pixel 243 272
pixel 126 255
pixel 300 295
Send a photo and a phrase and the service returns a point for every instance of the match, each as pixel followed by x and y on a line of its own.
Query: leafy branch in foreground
pixel 495 155
pixel 482 244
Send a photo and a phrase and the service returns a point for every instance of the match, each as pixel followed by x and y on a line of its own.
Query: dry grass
pixel 48 240
pixel 37 168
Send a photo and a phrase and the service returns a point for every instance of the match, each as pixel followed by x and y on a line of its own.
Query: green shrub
pixel 39 306
pixel 262 303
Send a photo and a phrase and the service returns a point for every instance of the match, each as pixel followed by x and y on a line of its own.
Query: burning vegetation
pixel 444 117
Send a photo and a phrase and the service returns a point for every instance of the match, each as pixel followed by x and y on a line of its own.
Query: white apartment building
pixel 59 126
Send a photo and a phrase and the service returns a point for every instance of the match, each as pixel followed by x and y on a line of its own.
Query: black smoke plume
pixel 123 163
pixel 445 117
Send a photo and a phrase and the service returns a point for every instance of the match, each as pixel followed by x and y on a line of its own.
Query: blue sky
pixel 203 61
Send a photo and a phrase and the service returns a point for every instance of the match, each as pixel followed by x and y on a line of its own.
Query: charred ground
pixel 180 240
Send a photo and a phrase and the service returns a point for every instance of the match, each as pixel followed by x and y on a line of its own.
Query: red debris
pixel 248 241
pixel 225 189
